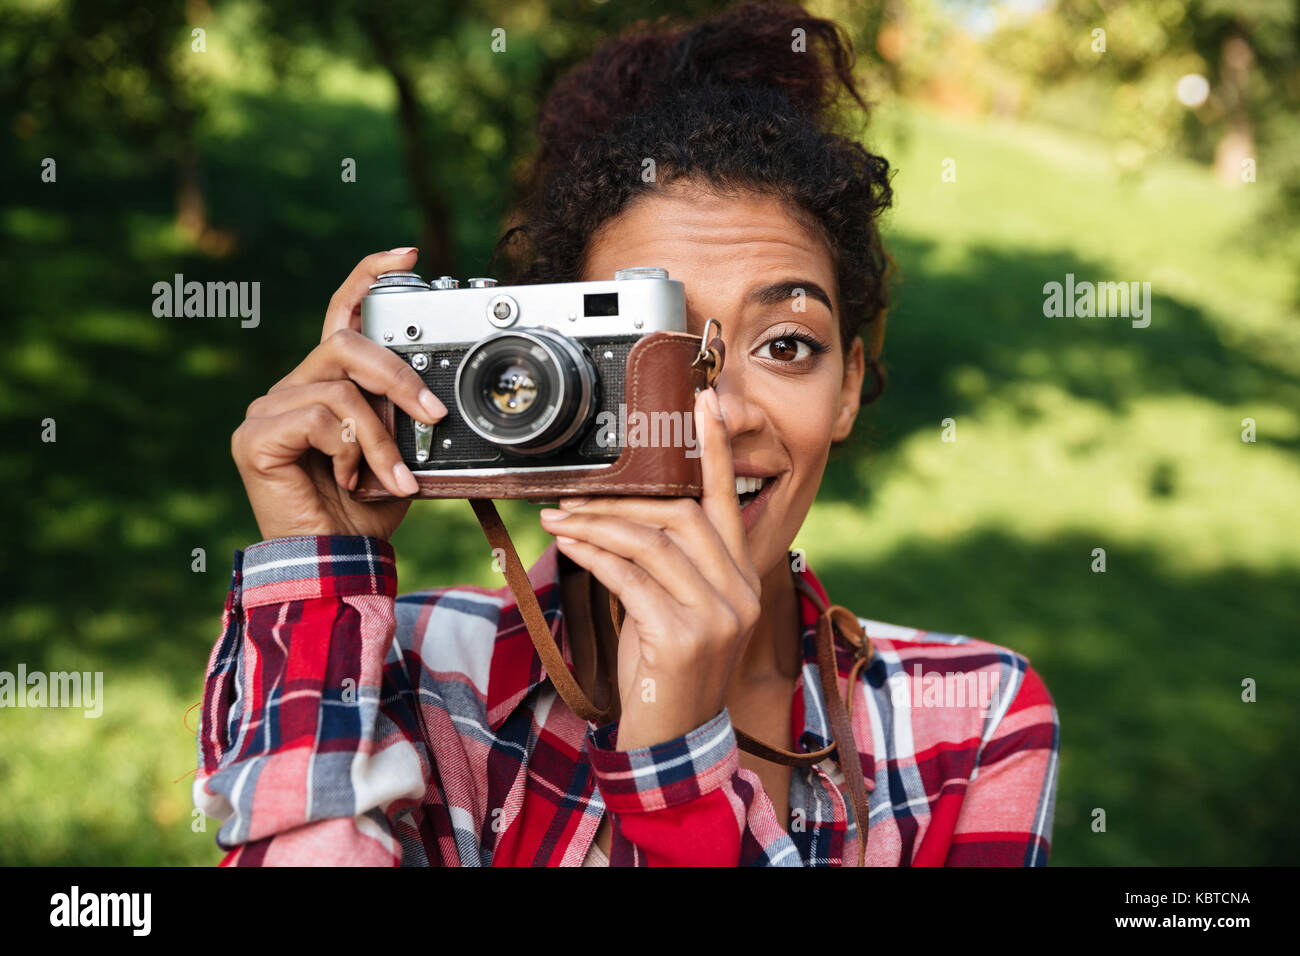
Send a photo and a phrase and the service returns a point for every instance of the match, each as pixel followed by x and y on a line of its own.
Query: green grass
pixel 1072 434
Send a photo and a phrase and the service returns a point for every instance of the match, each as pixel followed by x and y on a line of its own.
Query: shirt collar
pixel 516 669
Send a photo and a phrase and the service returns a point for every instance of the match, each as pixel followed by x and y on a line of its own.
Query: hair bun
pixel 761 44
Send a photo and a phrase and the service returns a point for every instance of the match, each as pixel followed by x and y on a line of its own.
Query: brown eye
pixel 788 349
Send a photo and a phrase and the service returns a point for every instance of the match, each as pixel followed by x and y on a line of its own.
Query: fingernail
pixel 352 482
pixel 573 502
pixel 563 540
pixel 554 514
pixel 429 402
pixel 405 480
pixel 404 251
pixel 711 400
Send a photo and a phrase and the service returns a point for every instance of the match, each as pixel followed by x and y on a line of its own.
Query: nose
pixel 740 412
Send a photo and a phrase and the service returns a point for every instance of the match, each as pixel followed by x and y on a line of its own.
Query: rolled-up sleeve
pixel 684 802
pixel 296 756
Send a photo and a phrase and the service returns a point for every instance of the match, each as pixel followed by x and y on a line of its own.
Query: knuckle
pixel 342 392
pixel 634 575
pixel 728 621
pixel 343 340
pixel 660 541
pixel 247 450
pixel 685 510
pixel 239 442
pixel 318 415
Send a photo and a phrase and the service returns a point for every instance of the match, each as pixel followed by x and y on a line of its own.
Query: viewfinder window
pixel 600 303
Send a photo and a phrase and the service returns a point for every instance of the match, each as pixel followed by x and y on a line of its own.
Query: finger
pixel 719 501
pixel 344 310
pixel 267 444
pixel 349 354
pixel 271 443
pixel 641 596
pixel 681 518
pixel 358 421
pixel 651 548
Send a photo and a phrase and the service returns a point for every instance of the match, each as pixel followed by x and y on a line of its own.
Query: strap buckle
pixel 709 359
pixel 851 628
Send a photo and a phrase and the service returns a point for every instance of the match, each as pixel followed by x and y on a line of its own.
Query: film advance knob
pixel 399 282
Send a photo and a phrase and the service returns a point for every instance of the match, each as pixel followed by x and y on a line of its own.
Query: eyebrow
pixel 779 292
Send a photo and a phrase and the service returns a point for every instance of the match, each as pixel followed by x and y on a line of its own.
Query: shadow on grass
pixel 1146 670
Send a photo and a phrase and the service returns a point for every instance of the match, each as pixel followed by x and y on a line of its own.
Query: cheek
pixel 804 414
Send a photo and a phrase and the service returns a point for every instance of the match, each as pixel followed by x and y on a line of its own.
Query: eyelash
pixel 815 345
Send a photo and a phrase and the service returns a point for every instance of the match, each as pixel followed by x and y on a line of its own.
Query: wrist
pixel 652 724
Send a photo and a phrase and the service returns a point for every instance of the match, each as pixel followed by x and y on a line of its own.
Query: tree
pixel 112 74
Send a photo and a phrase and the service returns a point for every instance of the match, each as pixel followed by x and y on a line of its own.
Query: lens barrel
pixel 529 392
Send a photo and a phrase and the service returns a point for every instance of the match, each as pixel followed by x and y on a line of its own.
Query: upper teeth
pixel 746 485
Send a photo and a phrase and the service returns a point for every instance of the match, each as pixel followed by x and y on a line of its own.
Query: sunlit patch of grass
pixel 102 791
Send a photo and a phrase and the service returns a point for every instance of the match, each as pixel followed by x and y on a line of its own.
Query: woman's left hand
pixel 682 570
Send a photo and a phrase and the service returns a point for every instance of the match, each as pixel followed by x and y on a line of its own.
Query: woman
pixel 344 725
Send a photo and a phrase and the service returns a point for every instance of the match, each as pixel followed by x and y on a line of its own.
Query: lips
pixel 753 502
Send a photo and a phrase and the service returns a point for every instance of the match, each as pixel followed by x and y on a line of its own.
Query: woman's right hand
pixel 300 445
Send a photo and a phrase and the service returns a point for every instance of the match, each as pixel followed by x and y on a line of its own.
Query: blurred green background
pixel 1072 433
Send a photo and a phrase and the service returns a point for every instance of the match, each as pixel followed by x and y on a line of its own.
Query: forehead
pixel 710 240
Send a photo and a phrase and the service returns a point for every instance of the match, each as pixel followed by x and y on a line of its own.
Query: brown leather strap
pixel 842 729
pixel 776 754
pixel 543 640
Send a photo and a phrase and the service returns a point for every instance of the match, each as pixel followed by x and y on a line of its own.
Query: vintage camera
pixel 534 377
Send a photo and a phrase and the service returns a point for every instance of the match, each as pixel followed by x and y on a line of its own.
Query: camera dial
pixel 398 282
pixel 642 272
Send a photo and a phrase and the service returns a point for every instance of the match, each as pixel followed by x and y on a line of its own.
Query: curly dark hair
pixel 732 102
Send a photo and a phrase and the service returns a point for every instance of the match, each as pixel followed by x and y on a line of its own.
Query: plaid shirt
pixel 345 725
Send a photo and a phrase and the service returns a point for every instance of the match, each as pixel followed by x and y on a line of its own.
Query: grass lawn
pixel 1072 435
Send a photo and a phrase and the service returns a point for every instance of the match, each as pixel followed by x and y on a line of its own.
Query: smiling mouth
pixel 747 489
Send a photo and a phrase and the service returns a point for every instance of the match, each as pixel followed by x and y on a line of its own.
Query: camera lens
pixel 528 391
pixel 510 388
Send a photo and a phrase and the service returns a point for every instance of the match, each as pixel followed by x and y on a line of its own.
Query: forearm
pixel 294 746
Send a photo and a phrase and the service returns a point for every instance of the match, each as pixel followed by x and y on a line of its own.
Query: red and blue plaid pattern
pixel 345 725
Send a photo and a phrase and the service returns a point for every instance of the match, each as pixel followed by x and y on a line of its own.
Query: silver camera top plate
pixel 404 310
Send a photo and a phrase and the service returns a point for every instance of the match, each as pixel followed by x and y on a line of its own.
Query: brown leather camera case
pixel 659 378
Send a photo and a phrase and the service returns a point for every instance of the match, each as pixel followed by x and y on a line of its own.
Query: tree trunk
pixel 1238 143
pixel 191 209
pixel 437 252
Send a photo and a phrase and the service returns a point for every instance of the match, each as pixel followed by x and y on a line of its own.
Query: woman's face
pixel 787 388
